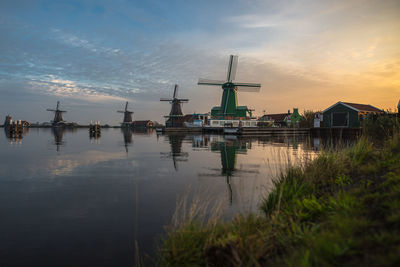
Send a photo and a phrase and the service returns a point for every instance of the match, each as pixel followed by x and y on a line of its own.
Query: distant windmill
pixel 127 115
pixel 176 109
pixel 229 106
pixel 57 114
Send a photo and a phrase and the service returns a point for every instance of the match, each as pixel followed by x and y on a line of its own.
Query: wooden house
pixel 347 115
pixel 283 119
pixel 279 119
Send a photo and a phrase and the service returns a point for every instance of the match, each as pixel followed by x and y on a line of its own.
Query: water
pixel 68 200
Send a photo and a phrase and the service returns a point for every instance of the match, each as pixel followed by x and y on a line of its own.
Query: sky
pixel 94 55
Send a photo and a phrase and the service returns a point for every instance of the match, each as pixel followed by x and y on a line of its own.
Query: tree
pixel 308 119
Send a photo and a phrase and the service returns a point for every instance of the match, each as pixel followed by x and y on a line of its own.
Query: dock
pixel 183 130
pixel 265 131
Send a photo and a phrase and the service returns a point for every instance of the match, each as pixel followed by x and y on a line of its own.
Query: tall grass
pixel 381 127
pixel 343 207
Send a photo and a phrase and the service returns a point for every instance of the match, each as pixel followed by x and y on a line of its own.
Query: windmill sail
pixel 175 91
pixel 248 87
pixel 229 105
pixel 232 67
pixel 210 82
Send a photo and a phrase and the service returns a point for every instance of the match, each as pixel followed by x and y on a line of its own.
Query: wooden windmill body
pixel 58 119
pixel 127 122
pixel 175 117
pixel 229 108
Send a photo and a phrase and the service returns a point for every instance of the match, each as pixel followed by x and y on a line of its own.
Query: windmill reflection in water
pixel 229 147
pixel 58 134
pixel 175 141
pixel 127 133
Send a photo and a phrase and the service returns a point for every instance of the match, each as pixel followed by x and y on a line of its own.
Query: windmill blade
pixel 248 88
pixel 210 82
pixel 248 84
pixel 58 104
pixel 175 95
pixel 121 111
pixel 166 99
pixel 183 100
pixel 126 106
pixel 50 109
pixel 232 67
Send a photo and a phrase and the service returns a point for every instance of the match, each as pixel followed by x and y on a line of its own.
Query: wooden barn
pixel 279 119
pixel 347 115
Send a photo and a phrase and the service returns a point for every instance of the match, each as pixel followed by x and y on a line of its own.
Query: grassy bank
pixel 341 208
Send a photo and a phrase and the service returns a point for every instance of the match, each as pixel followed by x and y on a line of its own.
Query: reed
pixel 343 207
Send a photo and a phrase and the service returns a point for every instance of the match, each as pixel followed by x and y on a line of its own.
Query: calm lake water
pixel 68 200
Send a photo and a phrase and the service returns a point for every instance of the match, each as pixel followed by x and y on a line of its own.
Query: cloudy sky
pixel 95 55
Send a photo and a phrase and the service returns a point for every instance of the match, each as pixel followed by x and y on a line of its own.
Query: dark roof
pixel 275 117
pixel 356 107
pixel 363 107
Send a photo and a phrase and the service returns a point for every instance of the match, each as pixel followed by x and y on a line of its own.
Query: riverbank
pixel 341 208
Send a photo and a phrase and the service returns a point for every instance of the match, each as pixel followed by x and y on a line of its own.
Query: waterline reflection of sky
pixel 67 196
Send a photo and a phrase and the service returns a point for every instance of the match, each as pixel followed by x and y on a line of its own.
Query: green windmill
pixel 229 108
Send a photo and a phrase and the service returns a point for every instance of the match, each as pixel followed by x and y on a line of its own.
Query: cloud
pixel 294 48
pixel 66 88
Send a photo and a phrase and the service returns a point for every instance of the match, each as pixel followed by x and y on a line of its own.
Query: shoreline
pixel 343 207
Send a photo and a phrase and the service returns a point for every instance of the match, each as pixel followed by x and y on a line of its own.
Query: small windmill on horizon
pixel 127 116
pixel 229 108
pixel 175 115
pixel 57 114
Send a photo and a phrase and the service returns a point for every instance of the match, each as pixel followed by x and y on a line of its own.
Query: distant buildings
pixel 283 119
pixel 8 122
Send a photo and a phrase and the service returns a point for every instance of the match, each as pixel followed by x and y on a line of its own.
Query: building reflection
pixel 176 153
pixel 94 135
pixel 15 137
pixel 290 141
pixel 127 134
pixel 143 131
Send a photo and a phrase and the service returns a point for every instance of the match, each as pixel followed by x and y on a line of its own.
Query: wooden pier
pixel 182 129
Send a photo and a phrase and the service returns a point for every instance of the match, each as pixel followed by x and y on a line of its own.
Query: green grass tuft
pixel 343 208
